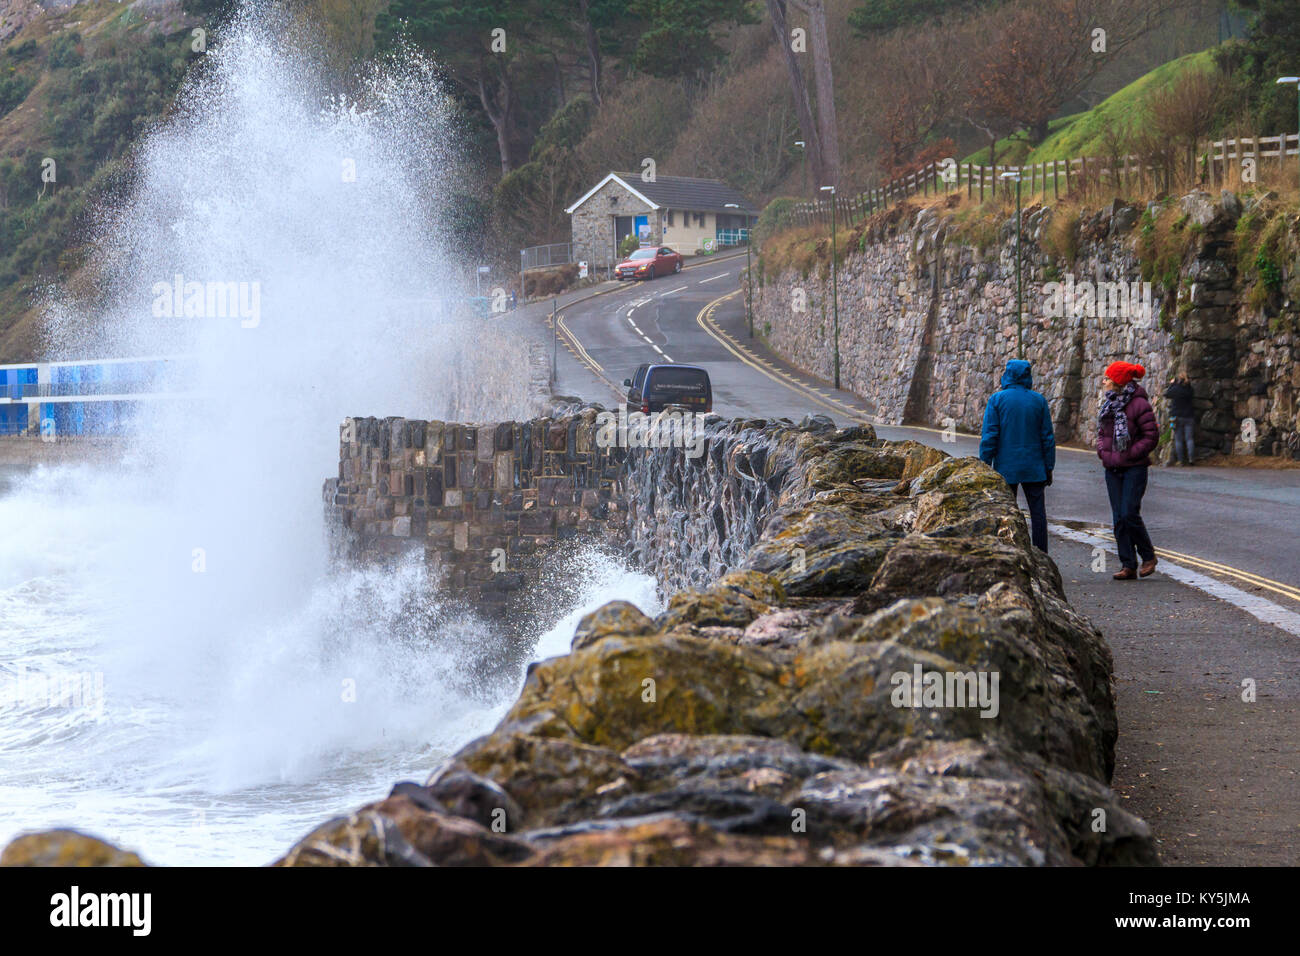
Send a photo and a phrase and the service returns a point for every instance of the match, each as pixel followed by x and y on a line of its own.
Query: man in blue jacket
pixel 1018 441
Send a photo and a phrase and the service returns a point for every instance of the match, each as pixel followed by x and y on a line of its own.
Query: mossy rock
pixel 617 617
pixel 734 601
pixel 65 848
pixel 543 774
pixel 621 690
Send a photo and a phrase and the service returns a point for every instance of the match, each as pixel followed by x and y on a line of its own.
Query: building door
pixel 624 226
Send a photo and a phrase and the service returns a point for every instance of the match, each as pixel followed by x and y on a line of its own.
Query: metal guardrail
pixel 732 237
pixel 25 390
pixel 543 257
pixel 9 433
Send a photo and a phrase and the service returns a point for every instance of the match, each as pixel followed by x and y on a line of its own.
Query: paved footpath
pixel 1217 778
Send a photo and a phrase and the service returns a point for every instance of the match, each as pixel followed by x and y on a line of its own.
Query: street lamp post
pixel 1296 81
pixel 804 146
pixel 1020 329
pixel 835 284
pixel 749 272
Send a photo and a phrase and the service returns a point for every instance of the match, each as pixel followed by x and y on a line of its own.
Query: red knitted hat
pixel 1121 373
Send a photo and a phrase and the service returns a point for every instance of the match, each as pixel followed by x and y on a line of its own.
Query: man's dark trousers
pixel 1037 503
pixel 1126 486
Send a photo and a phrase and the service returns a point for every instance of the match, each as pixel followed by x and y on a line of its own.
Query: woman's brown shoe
pixel 1124 574
pixel 1148 567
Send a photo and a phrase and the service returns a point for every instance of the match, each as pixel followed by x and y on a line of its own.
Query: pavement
pixel 1215 775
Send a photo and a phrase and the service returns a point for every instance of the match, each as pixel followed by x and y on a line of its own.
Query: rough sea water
pixel 183 671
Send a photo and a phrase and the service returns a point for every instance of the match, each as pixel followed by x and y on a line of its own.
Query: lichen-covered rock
pixel 623 689
pixel 668 841
pixel 364 838
pixel 65 848
pixel 616 617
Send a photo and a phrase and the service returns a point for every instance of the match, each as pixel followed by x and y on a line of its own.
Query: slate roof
pixel 679 192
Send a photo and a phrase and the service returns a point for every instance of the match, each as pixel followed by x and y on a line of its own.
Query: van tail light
pixel 645 408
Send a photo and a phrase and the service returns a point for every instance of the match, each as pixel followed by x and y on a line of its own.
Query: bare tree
pixel 1184 111
pixel 916 92
pixel 1045 52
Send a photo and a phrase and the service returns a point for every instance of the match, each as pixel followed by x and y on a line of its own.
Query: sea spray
pixel 249 687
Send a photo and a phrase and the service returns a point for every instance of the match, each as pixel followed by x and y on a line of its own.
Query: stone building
pixel 675 211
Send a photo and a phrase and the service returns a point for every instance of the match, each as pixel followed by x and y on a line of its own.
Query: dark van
pixel 656 387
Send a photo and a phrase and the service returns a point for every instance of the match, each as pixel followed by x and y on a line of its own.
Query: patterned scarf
pixel 1112 403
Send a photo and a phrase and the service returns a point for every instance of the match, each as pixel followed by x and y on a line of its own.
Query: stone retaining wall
pixel 927 323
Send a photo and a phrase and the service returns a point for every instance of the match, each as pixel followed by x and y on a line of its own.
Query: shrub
pixel 777 216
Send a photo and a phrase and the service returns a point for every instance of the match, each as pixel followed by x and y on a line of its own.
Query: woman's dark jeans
pixel 1126 486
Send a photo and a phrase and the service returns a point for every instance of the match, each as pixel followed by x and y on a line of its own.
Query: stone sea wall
pixel 927 322
pixel 483 502
pixel 758 719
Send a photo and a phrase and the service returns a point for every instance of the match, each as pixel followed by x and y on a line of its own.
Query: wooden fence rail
pixel 1082 175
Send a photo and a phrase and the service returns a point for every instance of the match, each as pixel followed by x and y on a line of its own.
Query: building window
pixel 670 217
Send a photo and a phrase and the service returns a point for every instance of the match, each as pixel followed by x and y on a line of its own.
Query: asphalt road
pixel 1235 523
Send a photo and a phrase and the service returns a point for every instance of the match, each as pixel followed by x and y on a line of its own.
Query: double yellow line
pixel 1214 567
pixel 705 321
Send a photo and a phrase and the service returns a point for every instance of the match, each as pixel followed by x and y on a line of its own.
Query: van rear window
pixel 678 381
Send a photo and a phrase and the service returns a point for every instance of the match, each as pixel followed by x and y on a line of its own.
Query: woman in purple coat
pixel 1127 433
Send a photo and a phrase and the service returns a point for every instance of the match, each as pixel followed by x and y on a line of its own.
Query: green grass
pixel 1083 133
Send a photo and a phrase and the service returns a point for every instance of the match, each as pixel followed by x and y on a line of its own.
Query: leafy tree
pixel 1271 49
pixel 484 48
pixel 679 39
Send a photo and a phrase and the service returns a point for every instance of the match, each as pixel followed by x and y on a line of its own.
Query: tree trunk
pixel 559 79
pixel 1041 130
pixel 593 49
pixel 827 126
pixel 499 109
pixel 802 105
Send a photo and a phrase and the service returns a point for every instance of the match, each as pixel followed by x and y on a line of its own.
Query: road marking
pixel 722 275
pixel 673 291
pixel 1246 577
pixel 1260 608
pixel 704 320
pixel 578 345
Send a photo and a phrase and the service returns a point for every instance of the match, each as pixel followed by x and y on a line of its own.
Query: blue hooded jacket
pixel 1017 438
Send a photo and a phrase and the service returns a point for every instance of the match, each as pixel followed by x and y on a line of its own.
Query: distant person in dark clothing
pixel 1180 398
pixel 1018 441
pixel 1126 435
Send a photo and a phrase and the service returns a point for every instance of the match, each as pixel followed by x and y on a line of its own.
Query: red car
pixel 649 262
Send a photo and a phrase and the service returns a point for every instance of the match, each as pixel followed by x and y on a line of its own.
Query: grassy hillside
pixel 83 83
pixel 1083 134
